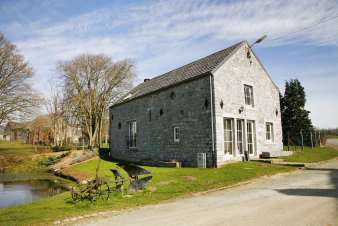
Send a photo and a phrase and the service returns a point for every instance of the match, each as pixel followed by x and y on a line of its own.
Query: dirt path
pixel 308 197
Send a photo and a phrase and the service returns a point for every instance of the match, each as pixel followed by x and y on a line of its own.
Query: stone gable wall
pixel 229 82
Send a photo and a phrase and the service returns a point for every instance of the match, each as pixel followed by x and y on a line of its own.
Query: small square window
pixel 269 132
pixel 176 134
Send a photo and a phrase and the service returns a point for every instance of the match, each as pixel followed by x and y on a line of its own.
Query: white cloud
pixel 161 35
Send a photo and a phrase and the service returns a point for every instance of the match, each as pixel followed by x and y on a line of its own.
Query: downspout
pixel 212 114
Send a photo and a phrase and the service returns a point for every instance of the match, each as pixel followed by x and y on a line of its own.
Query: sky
pixel 159 36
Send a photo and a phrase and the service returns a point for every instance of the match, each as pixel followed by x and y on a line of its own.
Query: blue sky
pixel 162 35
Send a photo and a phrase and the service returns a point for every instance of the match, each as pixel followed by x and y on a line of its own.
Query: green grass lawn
pixel 332 136
pixel 20 158
pixel 15 148
pixel 312 155
pixel 167 183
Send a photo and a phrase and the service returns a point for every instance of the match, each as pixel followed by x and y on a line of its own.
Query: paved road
pixel 308 197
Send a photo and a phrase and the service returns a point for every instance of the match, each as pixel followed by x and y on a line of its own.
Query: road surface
pixel 307 197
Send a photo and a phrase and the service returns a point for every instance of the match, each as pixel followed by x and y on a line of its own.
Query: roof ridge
pixel 201 58
pixel 194 69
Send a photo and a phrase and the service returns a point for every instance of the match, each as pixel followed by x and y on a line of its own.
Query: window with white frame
pixel 240 135
pixel 132 134
pixel 176 134
pixel 250 133
pixel 228 135
pixel 269 131
pixel 248 95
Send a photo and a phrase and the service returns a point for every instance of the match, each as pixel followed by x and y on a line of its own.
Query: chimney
pixel 146 80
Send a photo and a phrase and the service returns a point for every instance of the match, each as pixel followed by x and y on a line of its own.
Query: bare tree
pixel 91 83
pixel 55 108
pixel 17 98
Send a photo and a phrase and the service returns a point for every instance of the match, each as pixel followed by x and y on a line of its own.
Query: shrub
pixel 50 160
pixel 53 159
pixel 60 148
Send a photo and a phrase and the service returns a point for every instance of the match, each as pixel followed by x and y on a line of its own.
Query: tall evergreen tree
pixel 295 119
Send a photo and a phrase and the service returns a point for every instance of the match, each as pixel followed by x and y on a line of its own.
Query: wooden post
pixel 288 141
pixel 311 140
pixel 302 139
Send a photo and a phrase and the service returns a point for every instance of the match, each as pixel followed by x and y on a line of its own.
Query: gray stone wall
pixel 229 80
pixel 190 109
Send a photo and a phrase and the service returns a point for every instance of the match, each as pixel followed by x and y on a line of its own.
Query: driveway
pixel 307 197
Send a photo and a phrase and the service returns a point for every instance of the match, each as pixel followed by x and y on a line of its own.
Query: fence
pixel 293 140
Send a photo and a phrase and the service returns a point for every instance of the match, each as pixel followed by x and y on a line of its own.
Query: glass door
pixel 240 136
pixel 250 127
pixel 228 135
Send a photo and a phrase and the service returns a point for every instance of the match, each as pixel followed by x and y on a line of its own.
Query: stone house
pixel 3 135
pixel 212 110
pixel 16 131
pixel 40 130
pixel 43 130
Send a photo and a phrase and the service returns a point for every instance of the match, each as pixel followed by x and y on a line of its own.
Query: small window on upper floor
pixel 248 95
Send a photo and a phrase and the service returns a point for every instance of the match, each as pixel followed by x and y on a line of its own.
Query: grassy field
pixel 17 157
pixel 15 148
pixel 312 155
pixel 167 183
pixel 332 136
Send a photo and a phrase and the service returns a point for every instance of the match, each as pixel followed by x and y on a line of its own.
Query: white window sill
pixel 250 106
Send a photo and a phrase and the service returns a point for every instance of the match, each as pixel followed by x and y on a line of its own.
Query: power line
pixel 312 26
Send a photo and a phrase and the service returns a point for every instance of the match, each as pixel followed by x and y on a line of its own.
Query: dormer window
pixel 248 95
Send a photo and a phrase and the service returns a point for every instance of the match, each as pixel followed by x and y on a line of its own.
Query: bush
pixel 51 160
pixel 60 148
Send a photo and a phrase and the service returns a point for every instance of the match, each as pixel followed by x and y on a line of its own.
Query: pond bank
pixel 63 168
pixel 24 176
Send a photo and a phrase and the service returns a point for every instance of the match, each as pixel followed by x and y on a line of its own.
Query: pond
pixel 19 192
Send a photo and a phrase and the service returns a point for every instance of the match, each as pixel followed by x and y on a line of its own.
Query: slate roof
pixel 189 71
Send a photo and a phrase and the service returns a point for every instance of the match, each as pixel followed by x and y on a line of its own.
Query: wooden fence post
pixel 302 139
